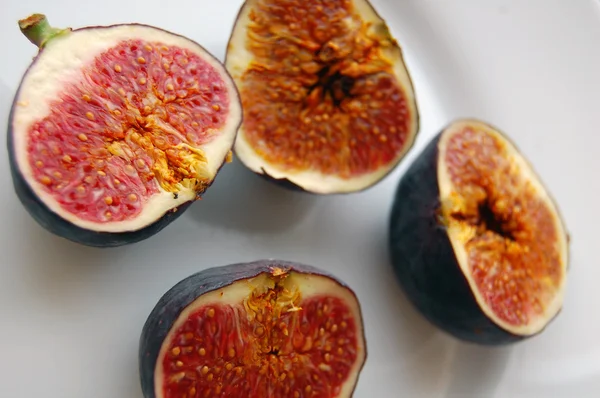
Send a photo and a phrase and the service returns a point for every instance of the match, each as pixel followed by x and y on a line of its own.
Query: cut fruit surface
pixel 263 329
pixel 113 127
pixel 329 105
pixel 505 229
pixel 485 224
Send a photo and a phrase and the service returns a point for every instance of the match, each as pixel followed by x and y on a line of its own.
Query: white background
pixel 71 316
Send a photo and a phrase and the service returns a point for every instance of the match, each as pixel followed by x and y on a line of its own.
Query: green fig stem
pixel 37 29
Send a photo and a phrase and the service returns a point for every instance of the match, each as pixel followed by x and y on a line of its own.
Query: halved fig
pixel 115 130
pixel 476 241
pixel 262 329
pixel 329 106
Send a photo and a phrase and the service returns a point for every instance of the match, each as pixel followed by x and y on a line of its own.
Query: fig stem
pixel 37 29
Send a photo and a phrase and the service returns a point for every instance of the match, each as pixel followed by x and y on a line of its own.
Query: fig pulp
pixel 115 130
pixel 329 106
pixel 254 330
pixel 476 240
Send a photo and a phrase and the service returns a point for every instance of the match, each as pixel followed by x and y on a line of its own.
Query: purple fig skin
pixel 175 300
pixel 57 225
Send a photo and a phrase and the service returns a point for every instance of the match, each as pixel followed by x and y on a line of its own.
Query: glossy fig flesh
pixel 329 105
pixel 115 130
pixel 476 240
pixel 254 330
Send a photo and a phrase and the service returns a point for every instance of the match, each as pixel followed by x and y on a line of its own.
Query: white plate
pixel 71 316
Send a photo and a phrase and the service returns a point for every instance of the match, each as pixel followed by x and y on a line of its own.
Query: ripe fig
pixel 476 241
pixel 262 329
pixel 329 106
pixel 116 130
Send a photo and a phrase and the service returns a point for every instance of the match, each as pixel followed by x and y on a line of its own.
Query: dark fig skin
pixel 176 299
pixel 283 183
pixel 424 261
pixel 289 185
pixel 57 225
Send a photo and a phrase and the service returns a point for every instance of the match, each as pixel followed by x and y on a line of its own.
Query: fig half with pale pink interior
pixel 262 329
pixel 115 130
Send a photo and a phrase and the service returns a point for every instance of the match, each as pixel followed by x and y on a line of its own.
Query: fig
pixel 476 241
pixel 329 105
pixel 116 130
pixel 267 328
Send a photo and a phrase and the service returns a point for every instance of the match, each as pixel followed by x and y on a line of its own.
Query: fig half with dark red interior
pixel 115 130
pixel 329 106
pixel 262 329
pixel 476 240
